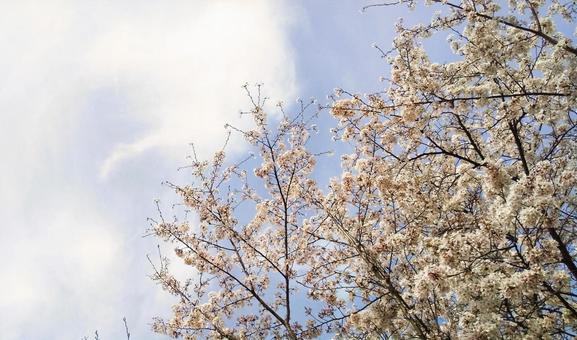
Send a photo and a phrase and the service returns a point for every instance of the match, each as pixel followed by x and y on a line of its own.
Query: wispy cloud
pixel 189 70
pixel 87 87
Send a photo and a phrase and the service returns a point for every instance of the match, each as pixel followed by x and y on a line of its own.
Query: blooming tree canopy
pixel 454 216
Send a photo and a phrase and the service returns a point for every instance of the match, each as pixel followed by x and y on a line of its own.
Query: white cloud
pixel 187 72
pixel 87 86
pixel 69 269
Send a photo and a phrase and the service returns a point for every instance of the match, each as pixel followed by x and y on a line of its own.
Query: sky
pixel 99 101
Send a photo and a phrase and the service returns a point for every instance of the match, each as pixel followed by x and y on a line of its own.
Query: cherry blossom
pixel 454 216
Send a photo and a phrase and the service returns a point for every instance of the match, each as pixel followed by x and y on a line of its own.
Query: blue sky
pixel 98 102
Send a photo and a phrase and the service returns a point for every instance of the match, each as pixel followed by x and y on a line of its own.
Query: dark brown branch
pixel 470 137
pixel 566 257
pixel 519 144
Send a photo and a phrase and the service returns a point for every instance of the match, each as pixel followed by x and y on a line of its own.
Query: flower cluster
pixel 455 215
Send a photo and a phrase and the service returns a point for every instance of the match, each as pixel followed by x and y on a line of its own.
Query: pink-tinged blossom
pixel 454 216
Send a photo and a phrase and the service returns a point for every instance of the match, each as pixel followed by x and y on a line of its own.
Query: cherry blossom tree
pixel 454 215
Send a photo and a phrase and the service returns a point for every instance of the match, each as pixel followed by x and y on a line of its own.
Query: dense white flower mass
pixel 454 217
